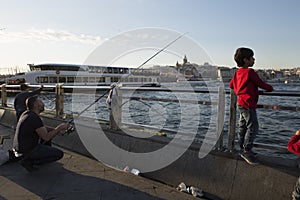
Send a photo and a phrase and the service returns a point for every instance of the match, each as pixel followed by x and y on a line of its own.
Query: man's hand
pixel 297 132
pixel 62 128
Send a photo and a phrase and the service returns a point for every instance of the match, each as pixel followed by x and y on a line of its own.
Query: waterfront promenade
pixel 77 177
pixel 221 172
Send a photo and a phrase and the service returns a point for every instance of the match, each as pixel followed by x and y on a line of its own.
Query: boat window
pixel 22 80
pixel 45 80
pixel 57 67
pixel 101 79
pixel 40 79
pixel 92 79
pixel 126 70
pixel 34 68
pixel 144 79
pixel 136 80
pixel 53 79
pixel 70 79
pixel 116 70
pixel 16 82
pixel 62 79
pixel 85 79
pixel 78 79
pixel 114 79
pixel 37 79
pixel 109 69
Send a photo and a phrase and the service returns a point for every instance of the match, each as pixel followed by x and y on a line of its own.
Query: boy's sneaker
pixel 249 158
pixel 251 152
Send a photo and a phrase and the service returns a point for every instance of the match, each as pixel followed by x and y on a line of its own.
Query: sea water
pixel 275 126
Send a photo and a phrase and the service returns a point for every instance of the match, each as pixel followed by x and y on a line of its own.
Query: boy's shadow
pixel 54 181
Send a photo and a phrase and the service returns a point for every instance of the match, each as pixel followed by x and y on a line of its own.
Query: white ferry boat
pixel 72 74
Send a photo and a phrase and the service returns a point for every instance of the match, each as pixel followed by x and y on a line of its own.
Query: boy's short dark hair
pixel 241 54
pixel 30 101
pixel 23 86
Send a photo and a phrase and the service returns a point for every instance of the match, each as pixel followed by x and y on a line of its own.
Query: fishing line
pixel 139 100
pixel 113 85
pixel 141 65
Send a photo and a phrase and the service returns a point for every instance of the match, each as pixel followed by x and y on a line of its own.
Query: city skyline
pixel 65 32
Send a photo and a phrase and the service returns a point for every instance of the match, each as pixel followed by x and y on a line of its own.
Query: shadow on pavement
pixel 53 181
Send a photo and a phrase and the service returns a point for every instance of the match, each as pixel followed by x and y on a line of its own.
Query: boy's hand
pixel 297 132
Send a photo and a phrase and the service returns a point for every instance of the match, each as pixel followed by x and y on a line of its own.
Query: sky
pixel 65 31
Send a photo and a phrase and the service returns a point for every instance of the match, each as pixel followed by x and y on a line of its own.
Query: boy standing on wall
pixel 245 84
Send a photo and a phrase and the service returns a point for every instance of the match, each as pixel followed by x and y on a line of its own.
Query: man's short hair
pixel 241 54
pixel 30 101
pixel 23 86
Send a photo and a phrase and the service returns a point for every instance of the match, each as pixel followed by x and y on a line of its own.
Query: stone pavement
pixel 77 177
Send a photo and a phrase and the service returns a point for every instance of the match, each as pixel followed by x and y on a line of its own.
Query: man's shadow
pixel 54 181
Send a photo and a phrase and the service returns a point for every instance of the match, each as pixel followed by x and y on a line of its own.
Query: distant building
pixel 194 72
pixel 298 72
pixel 262 74
pixel 225 74
pixel 277 74
pixel 187 71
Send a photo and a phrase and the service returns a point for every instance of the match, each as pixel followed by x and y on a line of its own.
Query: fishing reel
pixel 70 129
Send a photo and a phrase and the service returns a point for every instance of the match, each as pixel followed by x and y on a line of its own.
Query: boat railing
pixel 232 121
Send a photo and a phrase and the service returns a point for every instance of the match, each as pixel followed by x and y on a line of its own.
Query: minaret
pixel 184 60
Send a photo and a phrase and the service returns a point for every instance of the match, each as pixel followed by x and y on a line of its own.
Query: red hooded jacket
pixel 294 145
pixel 245 83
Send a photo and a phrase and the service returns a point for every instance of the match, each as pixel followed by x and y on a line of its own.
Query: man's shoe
pixel 249 158
pixel 12 157
pixel 26 163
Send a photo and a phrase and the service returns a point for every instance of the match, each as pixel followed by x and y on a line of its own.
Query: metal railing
pixel 59 107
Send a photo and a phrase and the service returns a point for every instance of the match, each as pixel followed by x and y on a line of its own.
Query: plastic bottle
pixel 196 192
pixel 182 187
pixel 135 171
pixel 126 169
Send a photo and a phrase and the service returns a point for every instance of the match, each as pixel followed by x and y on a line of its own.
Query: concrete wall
pixel 223 174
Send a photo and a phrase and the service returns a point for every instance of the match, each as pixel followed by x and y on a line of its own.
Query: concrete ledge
pixel 223 174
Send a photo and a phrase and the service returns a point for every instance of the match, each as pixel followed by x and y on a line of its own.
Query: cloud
pixel 49 35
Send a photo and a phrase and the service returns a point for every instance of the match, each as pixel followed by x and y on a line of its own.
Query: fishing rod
pixel 112 86
pixel 71 128
pixel 89 106
pixel 162 50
